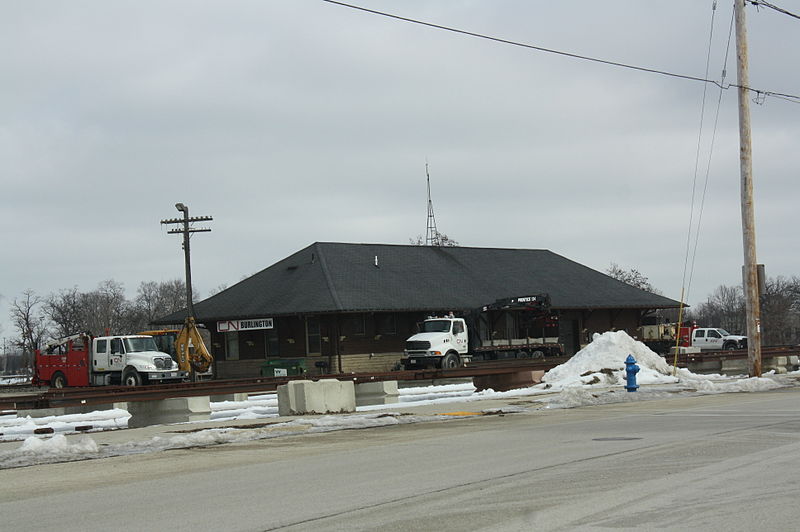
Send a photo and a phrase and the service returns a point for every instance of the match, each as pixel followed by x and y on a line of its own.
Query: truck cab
pixel 133 359
pixel 715 339
pixel 441 343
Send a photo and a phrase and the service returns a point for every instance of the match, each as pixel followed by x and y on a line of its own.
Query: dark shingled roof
pixel 338 277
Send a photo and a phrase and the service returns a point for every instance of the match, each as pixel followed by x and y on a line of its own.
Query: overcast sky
pixel 298 121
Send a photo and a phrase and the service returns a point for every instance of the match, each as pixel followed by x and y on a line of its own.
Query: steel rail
pixel 766 352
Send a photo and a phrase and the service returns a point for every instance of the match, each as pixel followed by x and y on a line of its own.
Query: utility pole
pixel 186 231
pixel 192 353
pixel 751 295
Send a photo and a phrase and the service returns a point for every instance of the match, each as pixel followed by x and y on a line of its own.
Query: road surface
pixel 725 462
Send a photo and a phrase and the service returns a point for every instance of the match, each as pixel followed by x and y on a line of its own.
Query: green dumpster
pixel 284 367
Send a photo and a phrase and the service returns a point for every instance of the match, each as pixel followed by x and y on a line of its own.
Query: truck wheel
pixel 730 346
pixel 131 377
pixel 450 361
pixel 538 354
pixel 58 380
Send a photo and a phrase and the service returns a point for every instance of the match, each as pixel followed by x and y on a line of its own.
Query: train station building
pixel 350 307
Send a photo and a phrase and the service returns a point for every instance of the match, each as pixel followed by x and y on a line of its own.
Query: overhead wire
pixel 784 96
pixel 710 155
pixel 686 288
pixel 758 3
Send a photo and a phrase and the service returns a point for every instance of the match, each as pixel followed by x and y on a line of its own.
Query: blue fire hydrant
pixel 631 369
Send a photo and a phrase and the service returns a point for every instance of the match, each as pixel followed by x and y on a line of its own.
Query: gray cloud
pixel 292 122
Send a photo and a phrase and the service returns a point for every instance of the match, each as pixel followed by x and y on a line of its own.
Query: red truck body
pixel 71 357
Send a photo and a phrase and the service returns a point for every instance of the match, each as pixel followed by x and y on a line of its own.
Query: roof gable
pixel 330 277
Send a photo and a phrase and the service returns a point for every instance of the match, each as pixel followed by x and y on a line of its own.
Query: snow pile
pixel 255 407
pixel 753 384
pixel 59 449
pixel 9 380
pixel 603 362
pixel 56 449
pixel 16 428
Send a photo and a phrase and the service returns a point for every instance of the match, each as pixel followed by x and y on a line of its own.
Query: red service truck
pixel 86 360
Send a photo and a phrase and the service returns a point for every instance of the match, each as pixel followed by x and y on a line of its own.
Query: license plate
pixel 412 361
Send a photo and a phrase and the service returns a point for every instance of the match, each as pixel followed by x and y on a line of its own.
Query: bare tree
pixel 27 316
pixel 779 311
pixel 632 277
pixel 66 311
pixel 107 310
pixel 216 290
pixel 724 308
pixel 441 240
pixel 157 299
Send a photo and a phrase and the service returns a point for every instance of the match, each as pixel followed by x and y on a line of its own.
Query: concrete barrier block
pixel 339 396
pixel 219 398
pixel 780 361
pixel 310 397
pixel 707 366
pixel 68 410
pixel 320 397
pixel 287 398
pixel 377 393
pixel 175 410
pixel 734 366
pixel 508 381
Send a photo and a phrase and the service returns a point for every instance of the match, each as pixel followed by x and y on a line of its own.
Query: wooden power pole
pixel 193 356
pixel 186 232
pixel 751 294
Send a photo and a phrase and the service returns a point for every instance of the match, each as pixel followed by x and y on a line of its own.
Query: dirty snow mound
pixel 603 362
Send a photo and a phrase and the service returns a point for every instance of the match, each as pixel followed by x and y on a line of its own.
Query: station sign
pixel 244 325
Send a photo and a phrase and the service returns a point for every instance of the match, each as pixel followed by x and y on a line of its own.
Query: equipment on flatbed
pixel 516 327
pixel 192 353
pixel 170 340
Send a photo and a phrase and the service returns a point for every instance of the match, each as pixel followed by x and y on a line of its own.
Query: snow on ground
pixel 13 427
pixel 8 380
pixel 595 375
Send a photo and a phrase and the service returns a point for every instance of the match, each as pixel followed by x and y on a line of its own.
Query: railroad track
pixel 101 395
pixel 684 359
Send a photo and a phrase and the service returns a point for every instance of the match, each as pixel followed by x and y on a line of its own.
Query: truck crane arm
pixel 197 359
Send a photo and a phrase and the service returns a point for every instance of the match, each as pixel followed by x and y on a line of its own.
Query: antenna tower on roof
pixel 431 233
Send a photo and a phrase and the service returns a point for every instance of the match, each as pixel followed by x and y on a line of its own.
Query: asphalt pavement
pixel 716 462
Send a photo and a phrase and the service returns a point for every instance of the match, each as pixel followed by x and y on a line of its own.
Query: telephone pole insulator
pixel 186 230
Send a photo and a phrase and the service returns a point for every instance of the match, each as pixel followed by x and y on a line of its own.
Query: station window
pixel 385 324
pixel 354 325
pixel 232 345
pixel 313 336
pixel 272 343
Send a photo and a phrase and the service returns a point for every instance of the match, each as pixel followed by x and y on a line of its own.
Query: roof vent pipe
pixel 376 261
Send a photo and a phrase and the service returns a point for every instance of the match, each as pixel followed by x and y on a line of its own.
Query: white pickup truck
pixel 714 339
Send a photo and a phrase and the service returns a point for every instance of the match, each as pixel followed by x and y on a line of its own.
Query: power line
pixel 708 165
pixel 759 92
pixel 686 271
pixel 758 3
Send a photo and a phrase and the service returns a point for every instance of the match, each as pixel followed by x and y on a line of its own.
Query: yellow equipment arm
pixel 192 352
